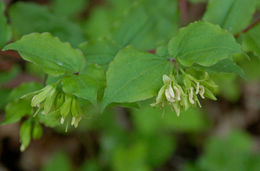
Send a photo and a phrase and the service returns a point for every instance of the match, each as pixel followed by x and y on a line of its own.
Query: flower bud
pixel 166 79
pixel 191 96
pixel 178 93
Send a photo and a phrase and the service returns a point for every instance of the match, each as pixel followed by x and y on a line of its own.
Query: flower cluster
pixel 52 100
pixel 184 92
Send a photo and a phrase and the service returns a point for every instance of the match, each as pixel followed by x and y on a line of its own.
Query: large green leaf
pixel 85 85
pixel 48 52
pixel 133 76
pixel 27 17
pixel 251 40
pixel 203 43
pixel 233 15
pixel 5 33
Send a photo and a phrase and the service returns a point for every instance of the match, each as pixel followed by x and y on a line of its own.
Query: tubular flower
pixel 50 100
pixel 183 93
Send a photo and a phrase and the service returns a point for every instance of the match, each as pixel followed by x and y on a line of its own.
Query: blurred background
pixel 223 135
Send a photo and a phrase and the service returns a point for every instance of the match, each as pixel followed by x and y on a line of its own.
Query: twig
pixel 183 5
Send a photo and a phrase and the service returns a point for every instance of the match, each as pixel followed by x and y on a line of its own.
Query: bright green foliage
pixel 55 57
pixel 202 43
pixel 5 33
pixel 233 15
pixel 251 41
pixel 85 85
pixel 67 8
pixel 29 17
pixel 127 60
pixel 134 76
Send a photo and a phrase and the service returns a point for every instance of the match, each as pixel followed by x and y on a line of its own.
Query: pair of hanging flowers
pixel 185 92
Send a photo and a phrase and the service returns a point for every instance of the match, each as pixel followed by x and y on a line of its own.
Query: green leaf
pixel 5 33
pixel 251 40
pixel 51 119
pixel 28 17
pixel 134 76
pixel 67 9
pixel 55 57
pixel 225 66
pixel 23 89
pixel 85 85
pixel 233 15
pixel 100 51
pixel 15 110
pixel 157 21
pixel 204 44
pixel 25 134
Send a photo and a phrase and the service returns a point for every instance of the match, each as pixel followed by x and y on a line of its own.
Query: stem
pixel 183 5
pixel 248 28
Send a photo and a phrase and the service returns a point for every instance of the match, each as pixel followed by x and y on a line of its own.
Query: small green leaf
pixel 251 40
pixel 55 57
pixel 233 15
pixel 134 76
pixel 85 85
pixel 204 44
pixel 5 33
pixel 225 66
pixel 25 134
pixel 16 110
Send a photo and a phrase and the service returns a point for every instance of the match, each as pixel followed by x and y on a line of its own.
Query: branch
pixel 248 28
